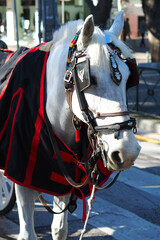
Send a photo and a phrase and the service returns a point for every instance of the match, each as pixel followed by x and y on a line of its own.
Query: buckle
pixel 68 83
pixel 81 53
pixel 68 76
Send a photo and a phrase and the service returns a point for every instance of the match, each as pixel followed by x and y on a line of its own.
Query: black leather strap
pixel 59 158
pixel 108 129
pixel 109 184
pixel 71 206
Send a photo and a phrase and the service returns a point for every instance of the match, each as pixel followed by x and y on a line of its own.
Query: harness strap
pixel 71 206
pixel 59 158
pixel 113 114
pixel 50 209
pixel 127 125
pixel 109 184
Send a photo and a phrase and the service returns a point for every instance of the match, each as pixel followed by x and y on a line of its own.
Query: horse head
pixel 99 96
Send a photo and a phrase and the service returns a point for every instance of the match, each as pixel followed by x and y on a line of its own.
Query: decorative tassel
pixel 77 125
pixel 77 135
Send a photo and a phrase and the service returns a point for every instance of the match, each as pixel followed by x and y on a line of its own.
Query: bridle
pixel 72 81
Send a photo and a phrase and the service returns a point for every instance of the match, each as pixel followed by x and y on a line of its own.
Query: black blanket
pixel 26 153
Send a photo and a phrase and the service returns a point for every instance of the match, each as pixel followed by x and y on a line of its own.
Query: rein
pixel 89 115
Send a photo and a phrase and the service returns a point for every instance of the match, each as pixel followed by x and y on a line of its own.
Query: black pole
pixel 15 12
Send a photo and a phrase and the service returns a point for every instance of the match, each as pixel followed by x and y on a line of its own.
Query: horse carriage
pixel 7 194
pixel 65 126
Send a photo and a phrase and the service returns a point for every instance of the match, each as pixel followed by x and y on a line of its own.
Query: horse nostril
pixel 115 157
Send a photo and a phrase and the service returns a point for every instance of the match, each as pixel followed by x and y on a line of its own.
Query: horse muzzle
pixel 116 164
pixel 122 160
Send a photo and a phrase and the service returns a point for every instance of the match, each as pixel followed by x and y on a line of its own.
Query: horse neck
pixel 57 109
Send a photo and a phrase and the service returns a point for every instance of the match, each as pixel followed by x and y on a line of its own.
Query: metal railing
pixel 145 97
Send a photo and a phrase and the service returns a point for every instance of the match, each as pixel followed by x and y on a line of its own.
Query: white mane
pixel 66 32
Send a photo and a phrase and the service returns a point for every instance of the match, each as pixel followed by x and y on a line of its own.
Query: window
pixel 67 2
pixel 2 2
pixel 28 2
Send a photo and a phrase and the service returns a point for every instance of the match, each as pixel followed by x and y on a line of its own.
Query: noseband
pixel 72 80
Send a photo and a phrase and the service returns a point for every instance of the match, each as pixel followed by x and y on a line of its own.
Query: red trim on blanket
pixel 20 92
pixel 37 47
pixel 67 147
pixel 4 89
pixel 6 50
pixel 41 110
pixel 80 166
pixel 36 188
pixel 67 157
pixel 34 149
pixel 6 122
pixel 59 179
pixel 9 56
pixel 38 126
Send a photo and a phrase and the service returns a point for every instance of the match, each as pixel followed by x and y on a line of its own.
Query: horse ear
pixel 118 24
pixel 87 30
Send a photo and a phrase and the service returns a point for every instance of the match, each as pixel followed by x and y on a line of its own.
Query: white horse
pixel 104 96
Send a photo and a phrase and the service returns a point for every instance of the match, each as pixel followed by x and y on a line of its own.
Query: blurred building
pixel 29 26
pixel 133 10
pixel 27 16
pixel 73 9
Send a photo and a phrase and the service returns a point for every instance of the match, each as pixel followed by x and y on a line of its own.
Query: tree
pixel 151 10
pixel 100 10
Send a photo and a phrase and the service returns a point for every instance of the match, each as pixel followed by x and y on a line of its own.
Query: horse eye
pixel 93 80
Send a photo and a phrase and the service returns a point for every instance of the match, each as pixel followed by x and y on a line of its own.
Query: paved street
pixel 129 210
